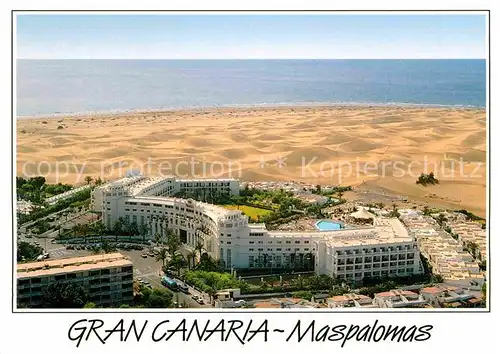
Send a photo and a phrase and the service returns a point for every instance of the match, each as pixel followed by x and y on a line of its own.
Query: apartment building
pixel 107 278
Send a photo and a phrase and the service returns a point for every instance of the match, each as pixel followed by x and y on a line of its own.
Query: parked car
pixel 198 299
pixel 70 247
pixel 150 254
pixel 183 287
pixel 144 255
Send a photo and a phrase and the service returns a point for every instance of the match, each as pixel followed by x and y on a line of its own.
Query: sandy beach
pixel 377 149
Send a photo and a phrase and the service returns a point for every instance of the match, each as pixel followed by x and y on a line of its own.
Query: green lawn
pixel 251 212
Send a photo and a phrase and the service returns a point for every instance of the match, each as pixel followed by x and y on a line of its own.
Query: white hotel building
pixel 384 249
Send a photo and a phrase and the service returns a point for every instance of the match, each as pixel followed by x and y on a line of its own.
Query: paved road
pixel 150 270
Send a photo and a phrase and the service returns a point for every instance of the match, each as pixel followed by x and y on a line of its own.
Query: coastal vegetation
pixel 425 179
pixel 211 282
pixel 27 251
pixel 470 216
pixel 36 190
pixel 253 213
pixel 78 199
pixel 64 295
pixel 152 298
pixel 337 191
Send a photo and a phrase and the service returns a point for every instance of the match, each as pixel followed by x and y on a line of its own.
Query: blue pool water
pixel 327 225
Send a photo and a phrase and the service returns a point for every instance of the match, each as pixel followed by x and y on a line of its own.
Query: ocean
pixel 48 87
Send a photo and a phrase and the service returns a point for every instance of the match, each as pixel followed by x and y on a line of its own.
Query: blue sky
pixel 164 36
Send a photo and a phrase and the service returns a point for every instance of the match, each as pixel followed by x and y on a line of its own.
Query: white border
pixel 48 332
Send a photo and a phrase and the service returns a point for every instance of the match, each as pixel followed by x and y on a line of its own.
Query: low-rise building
pixel 446 296
pixel 284 303
pixel 444 253
pixel 399 298
pixel 107 278
pixel 351 300
pixel 470 232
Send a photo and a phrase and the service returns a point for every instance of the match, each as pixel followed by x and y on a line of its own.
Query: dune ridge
pixel 270 143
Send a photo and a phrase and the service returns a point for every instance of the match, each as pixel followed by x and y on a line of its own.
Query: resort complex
pixel 230 244
pixel 378 249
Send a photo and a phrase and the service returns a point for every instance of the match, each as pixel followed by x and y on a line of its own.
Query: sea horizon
pixel 61 87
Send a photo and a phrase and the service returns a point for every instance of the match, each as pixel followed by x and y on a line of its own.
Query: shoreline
pixel 243 107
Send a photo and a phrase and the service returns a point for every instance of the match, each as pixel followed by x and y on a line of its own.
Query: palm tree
pixel 119 225
pixel 84 229
pixel 178 262
pixel 134 228
pixel 265 259
pixel 340 194
pixel 157 238
pixel 97 228
pixel 88 179
pixel 191 257
pixel 173 243
pixel 310 260
pixel 143 230
pixel 162 256
pixel 199 247
pixel 126 226
pixel 293 260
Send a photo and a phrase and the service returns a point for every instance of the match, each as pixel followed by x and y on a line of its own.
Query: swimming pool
pixel 328 225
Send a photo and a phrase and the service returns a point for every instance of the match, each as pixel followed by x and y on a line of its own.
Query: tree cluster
pixel 28 251
pixel 425 179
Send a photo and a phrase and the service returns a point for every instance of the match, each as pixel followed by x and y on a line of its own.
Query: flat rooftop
pixel 69 265
pixel 212 210
pixel 385 231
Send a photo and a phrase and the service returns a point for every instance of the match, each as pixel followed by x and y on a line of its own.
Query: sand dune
pixel 360 145
pixel 272 143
